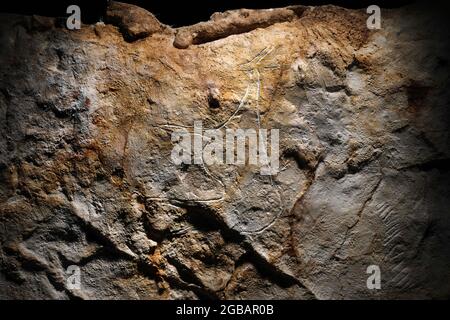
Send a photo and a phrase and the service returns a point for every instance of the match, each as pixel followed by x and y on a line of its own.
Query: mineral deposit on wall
pixel 87 180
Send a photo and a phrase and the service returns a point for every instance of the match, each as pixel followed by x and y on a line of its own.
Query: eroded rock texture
pixel 86 118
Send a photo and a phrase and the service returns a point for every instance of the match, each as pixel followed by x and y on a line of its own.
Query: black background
pixel 295 310
pixel 174 13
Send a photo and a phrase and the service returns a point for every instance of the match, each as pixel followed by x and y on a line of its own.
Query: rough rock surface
pixel 86 176
pixel 134 22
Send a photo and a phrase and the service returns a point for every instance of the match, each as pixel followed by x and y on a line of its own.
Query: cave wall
pixel 86 118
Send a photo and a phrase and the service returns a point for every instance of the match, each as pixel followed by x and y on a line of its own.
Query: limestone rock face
pixel 134 22
pixel 87 178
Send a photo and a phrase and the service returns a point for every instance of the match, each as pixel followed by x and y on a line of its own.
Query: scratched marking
pixel 394 227
pixel 253 70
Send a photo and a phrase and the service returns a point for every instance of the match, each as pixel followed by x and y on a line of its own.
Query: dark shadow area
pixel 175 13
